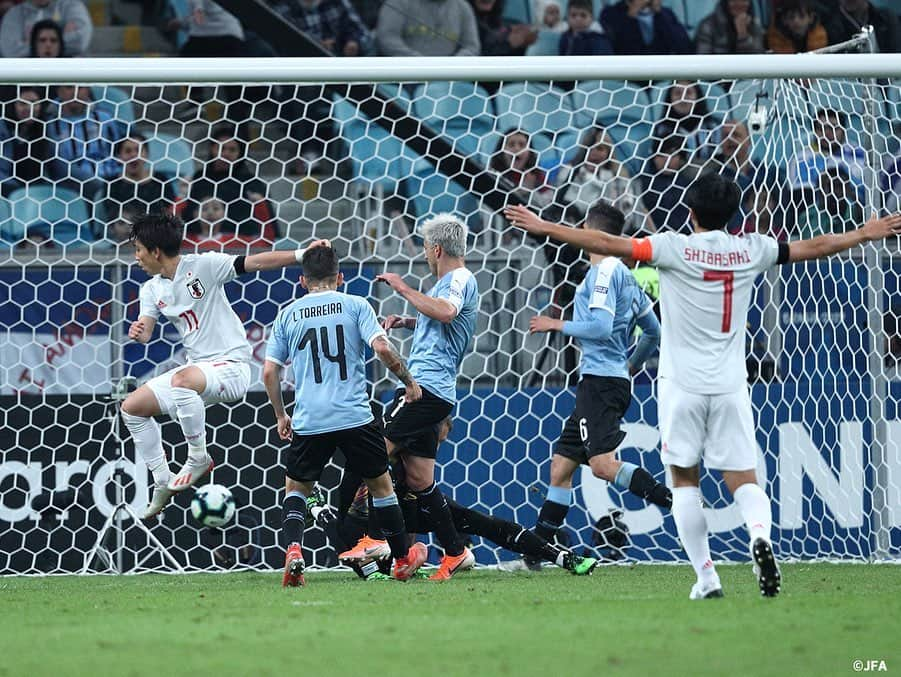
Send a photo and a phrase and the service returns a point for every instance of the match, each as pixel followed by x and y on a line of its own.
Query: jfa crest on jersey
pixel 706 282
pixel 195 287
pixel 194 301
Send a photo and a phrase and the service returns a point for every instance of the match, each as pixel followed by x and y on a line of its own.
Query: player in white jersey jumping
pixel 188 290
pixel 706 282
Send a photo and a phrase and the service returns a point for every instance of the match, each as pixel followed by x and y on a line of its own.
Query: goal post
pixel 812 139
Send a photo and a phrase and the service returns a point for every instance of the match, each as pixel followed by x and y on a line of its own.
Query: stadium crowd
pixel 76 143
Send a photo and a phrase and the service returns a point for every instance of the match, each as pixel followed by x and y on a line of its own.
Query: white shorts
pixel 226 381
pixel 717 428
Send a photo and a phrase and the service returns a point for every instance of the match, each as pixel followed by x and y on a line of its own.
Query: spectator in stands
pixel 584 36
pixel 595 174
pixel 118 230
pixel 213 32
pixel 685 114
pixel 665 184
pixel 368 11
pixel 731 28
pixel 644 27
pixel 497 37
pixel 852 15
pixel 211 230
pixel 733 159
pixel 549 15
pixel 227 177
pixel 890 183
pixel 26 153
pixel 427 28
pixel 72 15
pixel 515 160
pixel 334 24
pixel 84 140
pixel 829 148
pixel 796 27
pixel 835 208
pixel 47 41
pixel 137 184
pixel 766 215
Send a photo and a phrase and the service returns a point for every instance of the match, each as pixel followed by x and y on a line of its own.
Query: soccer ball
pixel 213 505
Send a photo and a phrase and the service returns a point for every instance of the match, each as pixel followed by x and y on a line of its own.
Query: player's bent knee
pixel 380 486
pixel 191 377
pixel 604 467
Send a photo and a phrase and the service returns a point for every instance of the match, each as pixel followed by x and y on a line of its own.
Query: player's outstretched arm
pixel 142 329
pixel 438 309
pixel 592 241
pixel 272 379
pixel 395 363
pixel 826 245
pixel 280 258
pixel 398 322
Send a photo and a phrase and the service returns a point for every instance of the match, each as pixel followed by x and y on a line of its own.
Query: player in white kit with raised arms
pixel 187 289
pixel 706 282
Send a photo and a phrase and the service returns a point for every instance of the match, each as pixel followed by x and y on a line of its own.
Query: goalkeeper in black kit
pixel 371 559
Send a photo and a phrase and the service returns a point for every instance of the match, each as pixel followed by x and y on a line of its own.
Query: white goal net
pixel 258 165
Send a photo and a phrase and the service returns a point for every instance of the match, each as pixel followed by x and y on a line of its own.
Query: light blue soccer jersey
pixel 609 291
pixel 324 335
pixel 438 348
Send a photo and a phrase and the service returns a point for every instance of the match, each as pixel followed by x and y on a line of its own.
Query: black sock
pixel 348 531
pixel 390 522
pixel 550 518
pixel 374 530
pixel 433 503
pixel 509 535
pixel 294 515
pixel 651 490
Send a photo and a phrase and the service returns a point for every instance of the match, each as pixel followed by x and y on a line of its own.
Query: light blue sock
pixel 384 501
pixel 561 495
pixel 624 475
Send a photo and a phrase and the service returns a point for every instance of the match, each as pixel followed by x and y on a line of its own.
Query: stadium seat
pixel 60 214
pixel 696 11
pixel 547 44
pixel 533 107
pixel 116 103
pixel 609 102
pixel 171 156
pixel 434 193
pixel 518 11
pixel 461 111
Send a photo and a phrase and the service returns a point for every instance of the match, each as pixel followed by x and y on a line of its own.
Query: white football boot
pixel 709 591
pixel 191 472
pixel 158 500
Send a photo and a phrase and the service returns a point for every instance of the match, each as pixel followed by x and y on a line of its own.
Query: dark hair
pixel 587 5
pixel 9 110
pixel 794 7
pixel 671 145
pixel 158 231
pixel 605 217
pixel 228 132
pixel 46 24
pixel 714 199
pixel 319 263
pixel 497 159
pixel 839 115
pixel 131 136
pixel 698 113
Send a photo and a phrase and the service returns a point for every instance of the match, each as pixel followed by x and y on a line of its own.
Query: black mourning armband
pixel 784 251
pixel 239 265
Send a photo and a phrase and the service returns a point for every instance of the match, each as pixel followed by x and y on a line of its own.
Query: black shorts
pixel 414 426
pixel 594 426
pixel 363 448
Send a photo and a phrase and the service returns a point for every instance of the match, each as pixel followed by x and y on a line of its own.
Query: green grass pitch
pixel 620 621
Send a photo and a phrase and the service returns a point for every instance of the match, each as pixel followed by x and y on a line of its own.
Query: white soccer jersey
pixel 194 301
pixel 706 282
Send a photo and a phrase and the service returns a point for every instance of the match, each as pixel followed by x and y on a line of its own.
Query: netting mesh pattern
pixel 255 167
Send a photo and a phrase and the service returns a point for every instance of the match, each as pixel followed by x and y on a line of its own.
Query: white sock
pixel 145 432
pixel 692 527
pixel 756 511
pixel 192 418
